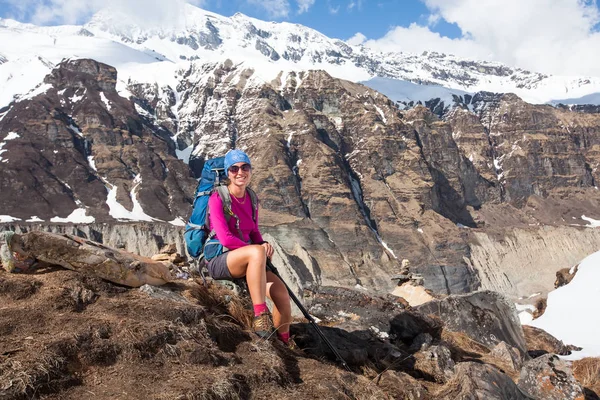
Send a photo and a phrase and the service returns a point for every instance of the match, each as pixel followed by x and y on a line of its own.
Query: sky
pixel 550 36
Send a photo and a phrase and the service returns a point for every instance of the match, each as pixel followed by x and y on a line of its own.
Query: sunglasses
pixel 235 168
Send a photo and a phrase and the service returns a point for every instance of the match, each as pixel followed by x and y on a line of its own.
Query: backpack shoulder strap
pixel 226 200
pixel 254 199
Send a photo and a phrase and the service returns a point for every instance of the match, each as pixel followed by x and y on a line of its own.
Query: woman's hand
pixel 268 248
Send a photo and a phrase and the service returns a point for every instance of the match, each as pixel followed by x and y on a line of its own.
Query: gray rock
pixel 162 293
pixel 435 363
pixel 421 342
pixel 487 317
pixel 508 355
pixel 475 381
pixel 550 378
pixel 407 325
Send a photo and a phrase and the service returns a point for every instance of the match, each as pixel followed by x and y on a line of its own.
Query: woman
pixel 247 256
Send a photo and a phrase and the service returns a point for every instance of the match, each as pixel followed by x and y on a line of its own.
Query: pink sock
pixel 260 308
pixel 284 337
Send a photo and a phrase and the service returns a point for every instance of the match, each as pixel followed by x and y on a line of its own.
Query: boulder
pixel 435 363
pixel 541 342
pixel 407 325
pixel 507 355
pixel 352 309
pixel 92 258
pixel 487 317
pixel 550 378
pixel 476 381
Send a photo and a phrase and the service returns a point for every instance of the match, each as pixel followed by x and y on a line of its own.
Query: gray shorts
pixel 217 267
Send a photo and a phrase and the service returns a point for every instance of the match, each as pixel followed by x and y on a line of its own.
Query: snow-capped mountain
pixel 28 52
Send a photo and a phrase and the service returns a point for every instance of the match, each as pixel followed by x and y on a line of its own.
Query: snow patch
pixel 105 101
pixel 525 313
pixel 380 111
pixel 75 98
pixel 11 136
pixel 8 218
pixel 184 155
pixel 35 218
pixel 119 212
pixel 178 222
pixel 92 163
pixel 571 314
pixel 43 88
pixel 594 223
pixel 77 217
pixel 572 270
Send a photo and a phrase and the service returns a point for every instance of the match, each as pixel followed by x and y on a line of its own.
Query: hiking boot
pixel 292 345
pixel 262 325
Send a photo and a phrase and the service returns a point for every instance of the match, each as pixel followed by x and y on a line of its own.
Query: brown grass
pixel 462 346
pixel 221 300
pixel 587 373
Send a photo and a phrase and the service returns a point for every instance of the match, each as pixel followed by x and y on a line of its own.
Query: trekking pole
pixel 309 317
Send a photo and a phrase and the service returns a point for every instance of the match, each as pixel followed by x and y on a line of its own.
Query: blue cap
pixel 235 156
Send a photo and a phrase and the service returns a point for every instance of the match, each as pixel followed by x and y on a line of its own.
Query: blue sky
pixel 335 18
pixel 549 36
pixel 343 19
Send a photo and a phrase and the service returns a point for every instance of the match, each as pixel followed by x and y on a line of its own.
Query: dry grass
pixel 221 300
pixel 21 380
pixel 462 346
pixel 587 373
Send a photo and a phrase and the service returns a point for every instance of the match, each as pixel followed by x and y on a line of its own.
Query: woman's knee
pixel 257 252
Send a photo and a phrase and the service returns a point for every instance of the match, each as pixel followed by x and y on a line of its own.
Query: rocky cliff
pixel 349 184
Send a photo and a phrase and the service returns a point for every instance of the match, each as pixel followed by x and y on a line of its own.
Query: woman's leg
pixel 250 262
pixel 282 312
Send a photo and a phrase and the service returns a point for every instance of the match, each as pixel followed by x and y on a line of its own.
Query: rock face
pixel 487 317
pixel 349 184
pixel 80 144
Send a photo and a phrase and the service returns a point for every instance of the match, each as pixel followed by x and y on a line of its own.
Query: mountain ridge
pixel 269 47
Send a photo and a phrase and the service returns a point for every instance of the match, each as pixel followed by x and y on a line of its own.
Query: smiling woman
pixel 238 250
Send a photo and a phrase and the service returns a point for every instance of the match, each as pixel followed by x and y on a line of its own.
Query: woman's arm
pixel 218 223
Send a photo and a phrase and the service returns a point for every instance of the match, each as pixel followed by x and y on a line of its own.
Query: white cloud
pixel 274 8
pixel 357 39
pixel 355 4
pixel 416 39
pixel 78 11
pixel 333 10
pixel 304 5
pixel 554 36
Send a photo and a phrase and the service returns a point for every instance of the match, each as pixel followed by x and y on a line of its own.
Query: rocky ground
pixel 68 335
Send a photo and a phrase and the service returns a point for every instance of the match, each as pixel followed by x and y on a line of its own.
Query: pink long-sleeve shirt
pixel 227 233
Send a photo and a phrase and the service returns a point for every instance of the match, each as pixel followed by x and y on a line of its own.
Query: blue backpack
pixel 197 230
